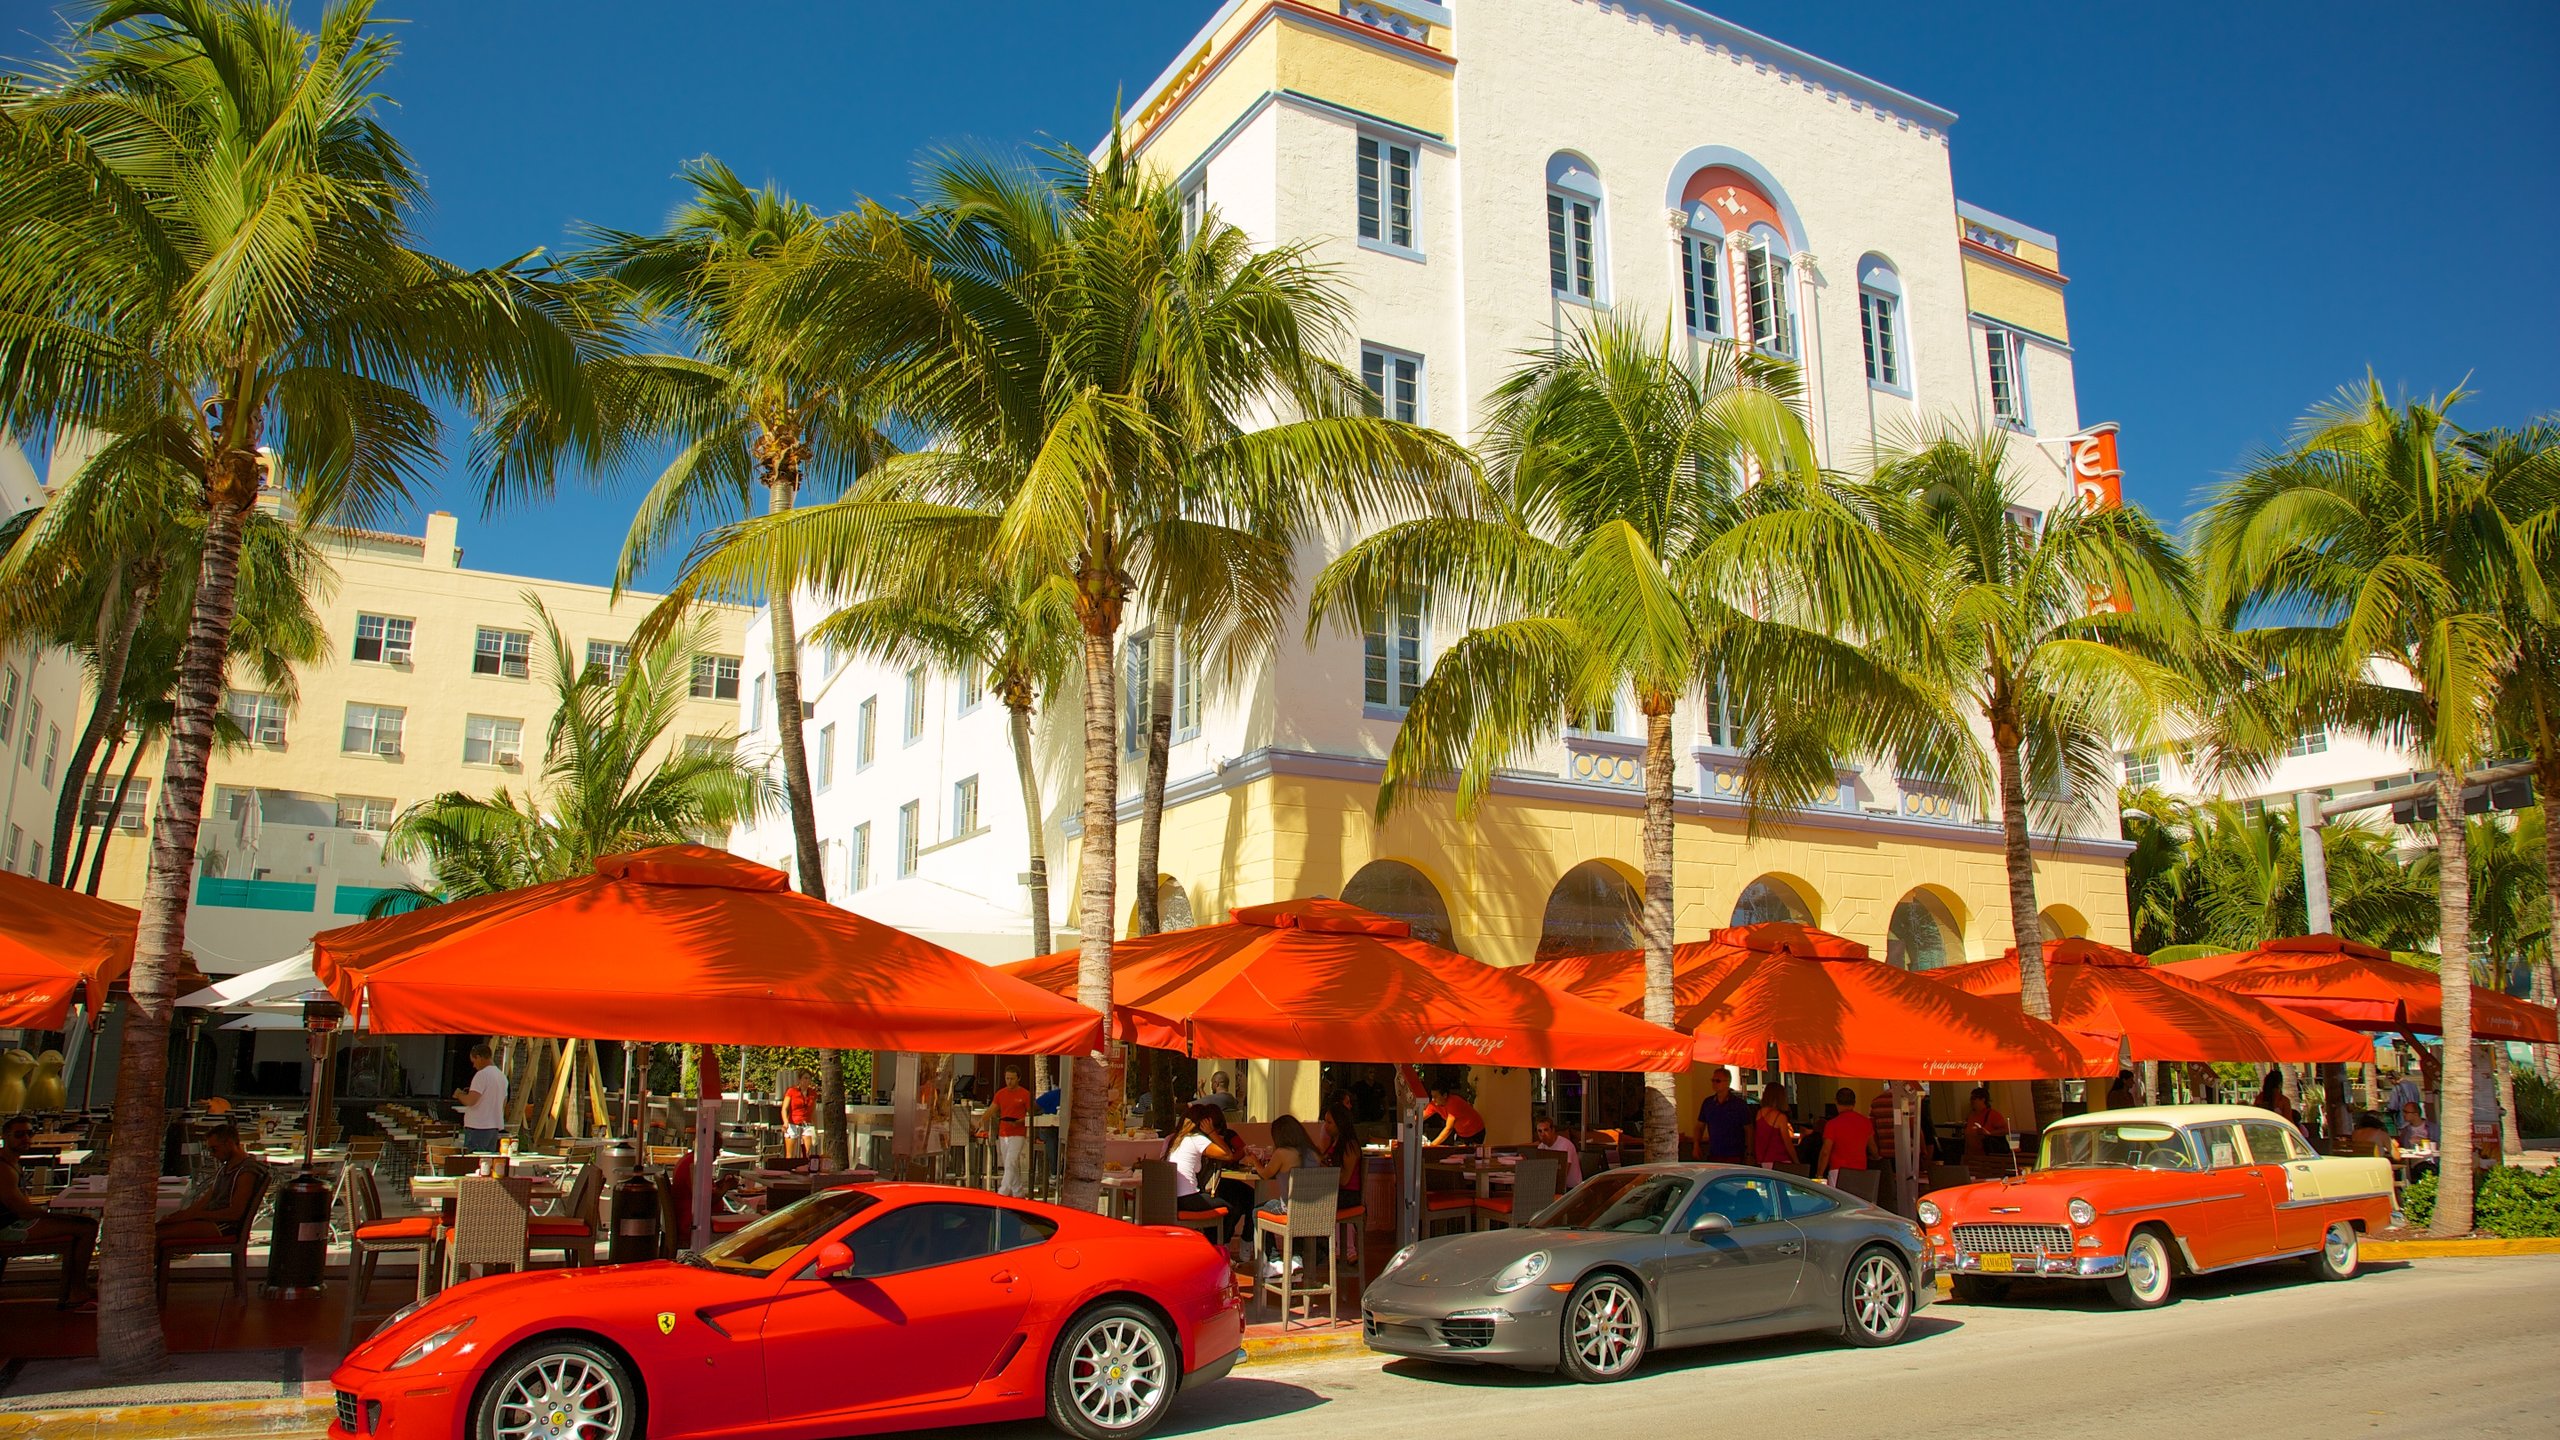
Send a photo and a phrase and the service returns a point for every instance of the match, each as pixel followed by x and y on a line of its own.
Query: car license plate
pixel 1999 1264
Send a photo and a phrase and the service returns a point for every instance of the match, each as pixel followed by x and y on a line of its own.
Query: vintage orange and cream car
pixel 2140 1196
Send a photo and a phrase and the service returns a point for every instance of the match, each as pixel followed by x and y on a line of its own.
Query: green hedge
pixel 2509 1202
pixel 2537 1105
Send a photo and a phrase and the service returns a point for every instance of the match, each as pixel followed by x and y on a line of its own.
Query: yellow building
pixel 432 682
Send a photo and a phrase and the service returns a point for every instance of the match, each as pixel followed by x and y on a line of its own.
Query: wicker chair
pixel 370 1236
pixel 1160 1204
pixel 235 1245
pixel 1947 1177
pixel 572 1226
pixel 1534 1182
pixel 491 1226
pixel 1865 1184
pixel 1313 1198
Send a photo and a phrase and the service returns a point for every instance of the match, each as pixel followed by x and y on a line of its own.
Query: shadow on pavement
pixel 1668 1362
pixel 2205 1289
pixel 1236 1400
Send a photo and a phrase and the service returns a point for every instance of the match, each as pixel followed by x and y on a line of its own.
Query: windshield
pixel 777 1239
pixel 1624 1200
pixel 2132 1144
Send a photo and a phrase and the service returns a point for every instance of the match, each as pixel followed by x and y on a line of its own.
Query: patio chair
pixel 1312 1199
pixel 1994 1163
pixel 1534 1182
pixel 1790 1167
pixel 1865 1184
pixel 371 1236
pixel 1947 1177
pixel 1158 1203
pixel 58 1247
pixel 491 1226
pixel 574 1221
pixel 235 1245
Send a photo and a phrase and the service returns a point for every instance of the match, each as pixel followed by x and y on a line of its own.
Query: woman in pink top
pixel 1773 1138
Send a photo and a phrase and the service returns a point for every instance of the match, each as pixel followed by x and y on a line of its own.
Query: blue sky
pixel 2257 201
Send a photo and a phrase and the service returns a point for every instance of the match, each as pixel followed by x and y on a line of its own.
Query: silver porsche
pixel 1653 1256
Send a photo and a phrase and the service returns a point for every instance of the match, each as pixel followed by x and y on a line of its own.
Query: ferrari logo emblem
pixel 666 1322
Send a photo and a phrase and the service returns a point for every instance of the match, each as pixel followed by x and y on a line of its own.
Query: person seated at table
pixel 2414 1129
pixel 219 1210
pixel 24 1222
pixel 1459 1122
pixel 1848 1139
pixel 1546 1136
pixel 2125 1093
pixel 1197 1154
pixel 2271 1096
pixel 1985 1129
pixel 1291 1146
pixel 1340 1146
pixel 2369 1138
pixel 1724 1120
pixel 1773 1135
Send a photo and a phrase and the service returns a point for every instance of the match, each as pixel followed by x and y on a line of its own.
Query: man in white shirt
pixel 1548 1138
pixel 484 1103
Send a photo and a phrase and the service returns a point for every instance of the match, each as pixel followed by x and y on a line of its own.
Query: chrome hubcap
pixel 2142 1266
pixel 560 1397
pixel 1608 1329
pixel 1116 1374
pixel 1880 1296
pixel 2341 1247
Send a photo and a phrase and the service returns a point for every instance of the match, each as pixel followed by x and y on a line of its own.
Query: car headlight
pixel 1397 1263
pixel 1929 1213
pixel 2083 1213
pixel 432 1343
pixel 1521 1272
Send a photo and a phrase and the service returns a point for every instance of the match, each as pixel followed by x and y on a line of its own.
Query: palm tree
pixel 745 409
pixel 2380 545
pixel 2015 624
pixel 1074 359
pixel 2528 713
pixel 200 215
pixel 607 780
pixel 2511 925
pixel 963 615
pixel 1650 527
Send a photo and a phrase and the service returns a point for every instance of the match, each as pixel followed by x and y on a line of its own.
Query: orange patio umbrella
pixel 1832 1010
pixel 2355 985
pixel 56 946
pixel 1323 980
pixel 2107 991
pixel 685 944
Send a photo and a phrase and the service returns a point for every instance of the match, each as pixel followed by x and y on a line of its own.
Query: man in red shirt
pixel 1849 1141
pixel 1459 1122
pixel 799 1117
pixel 1012 1107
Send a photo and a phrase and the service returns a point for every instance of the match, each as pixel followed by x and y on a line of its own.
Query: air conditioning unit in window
pixel 508 760
pixel 387 749
pixel 270 734
pixel 399 658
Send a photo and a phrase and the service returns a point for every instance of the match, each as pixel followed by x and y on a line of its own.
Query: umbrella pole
pixel 706 1142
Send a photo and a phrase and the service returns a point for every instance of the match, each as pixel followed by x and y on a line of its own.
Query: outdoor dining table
pixel 1487 1171
pixel 93 1198
pixel 1120 1189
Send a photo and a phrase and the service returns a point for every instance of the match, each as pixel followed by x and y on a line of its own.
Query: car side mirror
pixel 1709 1226
pixel 835 1258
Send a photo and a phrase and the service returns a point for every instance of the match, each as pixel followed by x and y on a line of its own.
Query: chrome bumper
pixel 1473 1335
pixel 2070 1267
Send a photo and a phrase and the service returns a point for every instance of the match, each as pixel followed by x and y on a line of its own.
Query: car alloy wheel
pixel 1604 1330
pixel 1117 1375
pixel 566 1394
pixel 2338 1252
pixel 2145 1282
pixel 1879 1300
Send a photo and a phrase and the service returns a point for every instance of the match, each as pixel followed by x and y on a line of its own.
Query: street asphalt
pixel 2433 1347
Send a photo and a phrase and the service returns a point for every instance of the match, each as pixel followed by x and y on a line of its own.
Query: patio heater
pixel 195 1032
pixel 298 1250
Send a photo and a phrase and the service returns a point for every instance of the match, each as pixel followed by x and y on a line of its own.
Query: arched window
pixel 1769 898
pixel 1593 910
pixel 1576 267
pixel 1395 889
pixel 1702 287
pixel 2060 922
pixel 1880 327
pixel 1765 272
pixel 1732 222
pixel 1923 934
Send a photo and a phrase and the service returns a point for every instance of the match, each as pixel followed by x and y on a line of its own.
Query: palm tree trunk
pixel 88 824
pixel 106 830
pixel 1661 1088
pixel 1019 709
pixel 1097 894
pixel 2024 922
pixel 1160 662
pixel 2546 780
pixel 130 1342
pixel 2453 944
pixel 113 647
pixel 804 818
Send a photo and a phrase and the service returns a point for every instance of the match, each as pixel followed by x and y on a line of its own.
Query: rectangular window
pixel 609 658
pixel 1386 192
pixel 373 729
pixel 2141 767
pixel 17 842
pixel 707 746
pixel 1395 377
pixel 35 721
pixel 507 653
pixel 1702 283
pixel 964 808
pixel 1137 685
pixel 35 860
pixel 715 677
pixel 1724 721
pixel 1186 691
pixel 2314 741
pixel 755 706
pixel 866 732
pixel 260 716
pixel 492 740
pixel 364 812
pixel 1875 330
pixel 8 702
pixel 1603 721
pixel 2028 519
pixel 1771 329
pixel 910 820
pixel 1195 206
pixel 973 689
pixel 1391 654
pixel 915 705
pixel 1571 266
pixel 384 639
pixel 858 856
pixel 232 802
pixel 826 766
pixel 100 808
pixel 2003 354
pixel 52 754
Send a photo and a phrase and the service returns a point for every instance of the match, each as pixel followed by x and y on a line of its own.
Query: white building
pixel 41 710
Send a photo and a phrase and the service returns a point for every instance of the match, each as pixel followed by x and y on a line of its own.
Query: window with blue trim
pixel 1391 653
pixel 1386 193
pixel 1702 282
pixel 1880 323
pixel 1575 263
pixel 1395 377
pixel 1765 270
pixel 2004 354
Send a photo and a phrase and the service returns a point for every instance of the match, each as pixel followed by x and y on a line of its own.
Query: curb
pixel 209 1420
pixel 1270 1349
pixel 2458 1249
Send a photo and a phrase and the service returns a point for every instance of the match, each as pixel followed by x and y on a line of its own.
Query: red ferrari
pixel 883 1307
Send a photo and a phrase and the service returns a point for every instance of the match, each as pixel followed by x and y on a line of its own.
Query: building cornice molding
pixel 1788 64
